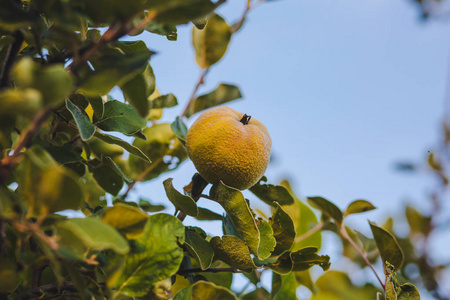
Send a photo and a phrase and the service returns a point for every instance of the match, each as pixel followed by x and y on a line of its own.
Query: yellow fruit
pixel 229 146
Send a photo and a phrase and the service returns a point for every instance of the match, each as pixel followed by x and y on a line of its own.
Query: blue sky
pixel 346 88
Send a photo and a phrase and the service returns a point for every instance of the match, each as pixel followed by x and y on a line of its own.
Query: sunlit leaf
pixel 180 129
pixel 267 240
pixel 154 256
pixel 222 94
pixel 9 277
pixel 76 236
pixel 204 290
pixel 84 125
pixel 45 186
pixel 127 219
pixel 120 117
pixel 358 206
pixel 270 193
pixel 408 292
pixel 149 207
pixel 283 230
pixel 109 139
pixel 327 208
pixel 232 251
pixel 336 285
pixel 181 202
pixel 284 287
pixel 233 202
pixel 114 65
pixel 138 89
pixel 211 43
pixel 388 246
pixel 199 248
pixel 164 101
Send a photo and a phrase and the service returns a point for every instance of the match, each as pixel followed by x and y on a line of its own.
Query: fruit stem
pixel 245 119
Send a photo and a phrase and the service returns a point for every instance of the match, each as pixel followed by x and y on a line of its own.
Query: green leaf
pixel 270 193
pixel 267 239
pixel 120 117
pixel 181 202
pixel 237 209
pixel 109 139
pixel 76 236
pixel 232 251
pixel 337 285
pixel 170 31
pixel 20 102
pixel 207 215
pixel 180 129
pixel 388 246
pixel 106 176
pixel 149 207
pixel 127 219
pixel 283 230
pixel 84 125
pixel 222 94
pixel 164 101
pixel 199 249
pixel 300 260
pixel 13 17
pixel 304 220
pixel 408 292
pixel 45 186
pixel 97 105
pixel 257 294
pixel 154 256
pixel 358 206
pixel 418 223
pixel 181 12
pixel 211 43
pixel 138 89
pixel 9 276
pixel 52 81
pixel 327 208
pixel 284 287
pixel 162 147
pixel 114 65
pixel 204 290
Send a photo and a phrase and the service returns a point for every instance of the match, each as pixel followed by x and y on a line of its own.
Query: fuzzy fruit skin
pixel 223 148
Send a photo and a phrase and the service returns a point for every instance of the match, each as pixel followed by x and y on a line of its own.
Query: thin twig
pixel 210 270
pixel 3 238
pixel 345 235
pixel 141 176
pixel 200 81
pixel 8 162
pixel 318 227
pixel 236 26
pixel 10 58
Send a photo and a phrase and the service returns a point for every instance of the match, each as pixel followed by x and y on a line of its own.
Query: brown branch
pixel 236 26
pixel 210 270
pixel 143 174
pixel 345 235
pixel 200 81
pixel 7 164
pixel 10 58
pixel 318 227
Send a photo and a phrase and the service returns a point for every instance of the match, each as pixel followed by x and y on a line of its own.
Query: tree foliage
pixel 66 143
